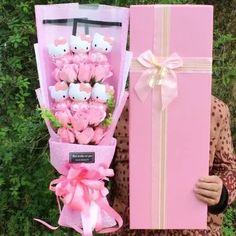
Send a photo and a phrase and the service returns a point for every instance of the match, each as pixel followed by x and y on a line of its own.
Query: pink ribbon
pixel 158 73
pixel 83 191
pixel 81 186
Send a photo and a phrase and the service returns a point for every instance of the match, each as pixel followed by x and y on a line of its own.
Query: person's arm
pixel 225 160
pixel 222 204
pixel 219 189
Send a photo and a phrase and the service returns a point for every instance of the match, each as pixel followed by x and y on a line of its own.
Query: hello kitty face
pixel 59 49
pixel 80 43
pixel 80 92
pixel 102 43
pixel 59 92
pixel 99 93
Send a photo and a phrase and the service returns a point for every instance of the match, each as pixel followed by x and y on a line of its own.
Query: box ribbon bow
pixel 158 73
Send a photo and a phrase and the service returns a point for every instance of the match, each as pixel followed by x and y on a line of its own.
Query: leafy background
pixel 24 168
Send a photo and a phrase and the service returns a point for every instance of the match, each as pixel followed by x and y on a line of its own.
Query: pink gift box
pixel 170 101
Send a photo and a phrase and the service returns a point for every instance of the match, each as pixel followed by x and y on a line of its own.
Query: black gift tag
pixel 82 157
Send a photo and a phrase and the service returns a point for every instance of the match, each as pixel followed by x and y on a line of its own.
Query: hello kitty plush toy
pixel 80 94
pixel 98 104
pixel 59 51
pixel 80 47
pixel 59 92
pixel 101 46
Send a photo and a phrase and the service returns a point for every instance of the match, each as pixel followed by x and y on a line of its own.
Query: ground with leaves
pixel 25 170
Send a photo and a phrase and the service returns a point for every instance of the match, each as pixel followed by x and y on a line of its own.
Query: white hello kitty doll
pixel 59 93
pixel 98 104
pixel 79 94
pixel 59 51
pixel 80 47
pixel 101 46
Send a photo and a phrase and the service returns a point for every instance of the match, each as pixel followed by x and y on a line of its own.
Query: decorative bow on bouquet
pixel 83 193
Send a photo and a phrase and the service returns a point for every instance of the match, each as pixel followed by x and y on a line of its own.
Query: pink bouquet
pixel 82 66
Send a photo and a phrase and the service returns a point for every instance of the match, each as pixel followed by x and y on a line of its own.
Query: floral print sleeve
pixel 224 162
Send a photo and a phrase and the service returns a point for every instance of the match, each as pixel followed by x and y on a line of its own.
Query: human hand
pixel 208 189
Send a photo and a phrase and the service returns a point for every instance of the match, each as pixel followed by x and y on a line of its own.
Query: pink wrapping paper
pixel 59 153
pixel 167 200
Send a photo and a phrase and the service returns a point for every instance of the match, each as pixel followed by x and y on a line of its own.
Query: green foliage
pixel 49 116
pixel 229 227
pixel 108 121
pixel 25 170
pixel 111 103
pixel 110 108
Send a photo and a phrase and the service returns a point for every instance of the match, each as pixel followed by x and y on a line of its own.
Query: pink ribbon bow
pixel 81 186
pixel 158 73
pixel 84 194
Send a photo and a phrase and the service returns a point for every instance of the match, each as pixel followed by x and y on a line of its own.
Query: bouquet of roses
pixel 82 102
pixel 82 66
